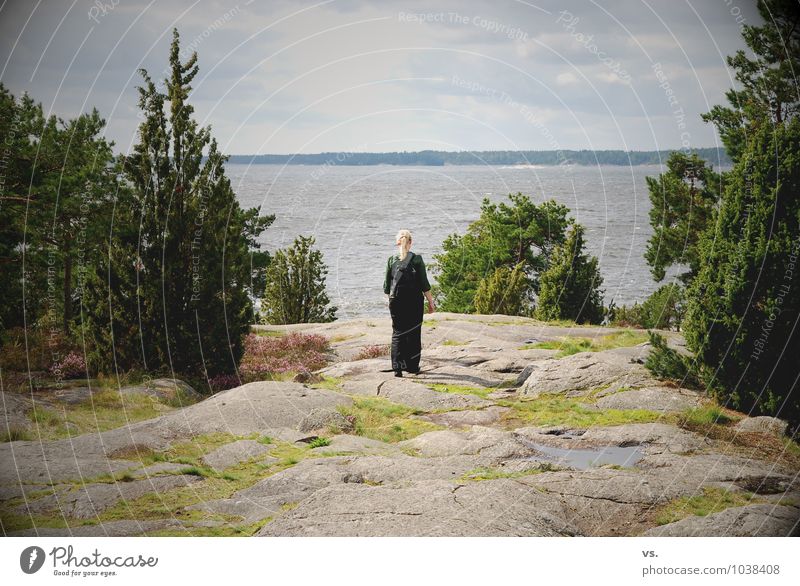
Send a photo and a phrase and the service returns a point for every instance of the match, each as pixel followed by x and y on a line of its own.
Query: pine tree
pixel 179 267
pixel 743 307
pixel 295 290
pixel 682 205
pixel 570 287
pixel 504 292
pixel 503 236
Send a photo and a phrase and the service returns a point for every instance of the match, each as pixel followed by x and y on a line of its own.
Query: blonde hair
pixel 404 236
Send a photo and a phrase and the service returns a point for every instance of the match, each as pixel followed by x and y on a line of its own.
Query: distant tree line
pixel 716 156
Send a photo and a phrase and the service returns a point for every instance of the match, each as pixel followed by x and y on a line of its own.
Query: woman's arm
pixel 426 286
pixel 387 280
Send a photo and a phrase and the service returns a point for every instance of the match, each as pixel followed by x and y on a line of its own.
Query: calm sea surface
pixel 355 212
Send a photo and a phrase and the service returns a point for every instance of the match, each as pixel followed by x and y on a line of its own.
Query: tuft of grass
pixel 266 440
pixel 329 383
pixel 712 500
pixel 568 345
pixel 15 434
pixel 373 351
pixel 319 442
pixel 454 343
pixel 559 410
pixel 269 333
pixel 706 415
pixel 461 389
pixel 289 506
pixel 104 410
pixel 489 473
pixel 377 418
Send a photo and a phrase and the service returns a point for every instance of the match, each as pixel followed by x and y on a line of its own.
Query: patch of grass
pixel 329 383
pixel 15 434
pixel 319 442
pixel 559 410
pixel 105 410
pixel 454 343
pixel 489 473
pixel 568 345
pixel 266 440
pixel 431 323
pixel 382 420
pixel 289 506
pixel 269 333
pixel 343 337
pixel 225 530
pixel 712 500
pixel 706 415
pixel 197 471
pixel 461 389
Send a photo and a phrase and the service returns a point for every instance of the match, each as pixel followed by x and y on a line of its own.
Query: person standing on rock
pixel 406 282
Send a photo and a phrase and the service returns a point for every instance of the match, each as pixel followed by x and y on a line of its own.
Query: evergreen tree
pixel 743 307
pixel 295 290
pixel 570 287
pixel 682 203
pixel 57 181
pixel 504 236
pixel 503 292
pixel 173 293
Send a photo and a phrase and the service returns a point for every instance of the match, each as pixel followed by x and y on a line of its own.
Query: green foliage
pixel 504 236
pixel 664 309
pixel 319 442
pixel 682 203
pixel 666 364
pixel 768 94
pixel 295 291
pixel 57 178
pixel 171 291
pixel 570 285
pixel 743 307
pixel 503 292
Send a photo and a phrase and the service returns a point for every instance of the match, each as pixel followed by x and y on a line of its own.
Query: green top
pixel 418 264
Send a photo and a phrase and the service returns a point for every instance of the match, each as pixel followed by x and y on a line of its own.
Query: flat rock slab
pixel 763 520
pixel 291 486
pixel 15 412
pixel 484 441
pixel 274 408
pixel 577 375
pixel 418 396
pixel 357 445
pixel 434 508
pixel 235 453
pixel 659 399
pixel 468 418
pixel 89 500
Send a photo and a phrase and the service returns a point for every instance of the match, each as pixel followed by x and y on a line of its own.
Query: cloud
pixel 284 76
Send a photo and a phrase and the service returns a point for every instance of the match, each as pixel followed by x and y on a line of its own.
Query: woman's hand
pixel 431 306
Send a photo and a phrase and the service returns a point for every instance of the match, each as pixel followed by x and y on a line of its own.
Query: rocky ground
pixel 500 434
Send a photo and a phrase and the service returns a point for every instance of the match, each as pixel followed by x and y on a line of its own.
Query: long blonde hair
pixel 404 236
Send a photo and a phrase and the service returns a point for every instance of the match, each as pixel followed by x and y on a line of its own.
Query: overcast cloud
pixel 285 77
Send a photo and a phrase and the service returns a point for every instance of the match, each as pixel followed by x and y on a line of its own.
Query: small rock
pixel 320 419
pixel 763 424
pixel 307 377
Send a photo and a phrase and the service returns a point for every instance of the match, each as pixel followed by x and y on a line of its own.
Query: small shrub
pixel 372 351
pixel 319 442
pixel 295 352
pixel 223 382
pixel 666 364
pixel 73 365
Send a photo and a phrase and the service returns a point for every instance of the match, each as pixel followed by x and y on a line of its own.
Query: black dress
pixel 406 308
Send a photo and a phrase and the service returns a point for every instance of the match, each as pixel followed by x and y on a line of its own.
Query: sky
pixel 350 75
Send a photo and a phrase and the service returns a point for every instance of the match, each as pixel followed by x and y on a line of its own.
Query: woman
pixel 405 283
